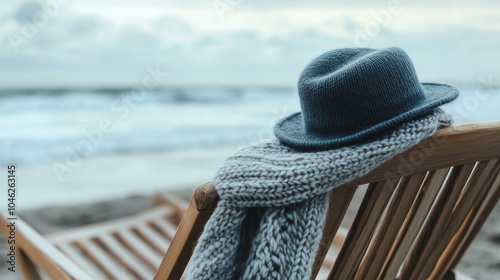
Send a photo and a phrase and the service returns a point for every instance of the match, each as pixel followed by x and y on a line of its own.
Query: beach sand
pixel 112 176
pixel 482 261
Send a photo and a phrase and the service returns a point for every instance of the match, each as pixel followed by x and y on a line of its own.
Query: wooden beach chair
pixel 419 213
pixel 123 248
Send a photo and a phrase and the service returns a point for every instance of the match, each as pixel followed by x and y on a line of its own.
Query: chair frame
pixel 422 210
pixel 34 250
pixel 450 154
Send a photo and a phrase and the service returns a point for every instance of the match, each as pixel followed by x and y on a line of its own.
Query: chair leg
pixel 27 267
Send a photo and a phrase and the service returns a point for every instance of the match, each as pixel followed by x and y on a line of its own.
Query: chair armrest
pixel 41 252
pixel 201 206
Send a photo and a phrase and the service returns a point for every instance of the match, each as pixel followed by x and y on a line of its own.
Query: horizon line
pixel 121 88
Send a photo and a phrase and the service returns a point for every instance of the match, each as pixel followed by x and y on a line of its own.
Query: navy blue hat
pixel 350 95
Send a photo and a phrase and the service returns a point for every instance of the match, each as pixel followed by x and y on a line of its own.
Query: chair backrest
pixel 420 211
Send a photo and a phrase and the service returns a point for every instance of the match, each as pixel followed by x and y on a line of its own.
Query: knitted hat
pixel 350 95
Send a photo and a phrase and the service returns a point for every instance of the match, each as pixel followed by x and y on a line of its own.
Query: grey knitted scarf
pixel 273 201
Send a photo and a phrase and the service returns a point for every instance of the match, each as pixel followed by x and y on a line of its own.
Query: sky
pixel 111 43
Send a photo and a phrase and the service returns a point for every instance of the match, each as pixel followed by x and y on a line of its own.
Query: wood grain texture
pixel 436 222
pixel 27 266
pixel 140 248
pixel 125 257
pixel 378 251
pixel 83 261
pixel 420 209
pixel 111 267
pixel 157 213
pixel 467 208
pixel 483 213
pixel 177 257
pixel 151 236
pixel 432 220
pixel 64 260
pixel 43 253
pixel 449 146
pixel 472 191
pixel 165 227
pixel 370 211
pixel 339 202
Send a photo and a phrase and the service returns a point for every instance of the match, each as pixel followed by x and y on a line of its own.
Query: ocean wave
pixel 48 127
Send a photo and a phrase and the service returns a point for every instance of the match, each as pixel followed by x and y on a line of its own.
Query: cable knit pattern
pixel 273 201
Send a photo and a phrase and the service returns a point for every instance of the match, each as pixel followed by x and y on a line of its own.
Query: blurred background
pixel 104 99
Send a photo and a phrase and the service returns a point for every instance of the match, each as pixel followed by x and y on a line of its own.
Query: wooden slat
pixel 485 210
pixel 328 262
pixel 177 257
pixel 435 224
pixel 450 146
pixel 379 249
pixel 408 233
pixel 370 211
pixel 466 210
pixel 124 256
pixel 340 236
pixel 339 201
pixel 152 237
pixel 322 274
pixel 178 204
pixel 27 266
pixel 82 261
pixel 143 250
pixel 459 214
pixel 96 229
pixel 43 253
pixel 100 257
pixel 167 228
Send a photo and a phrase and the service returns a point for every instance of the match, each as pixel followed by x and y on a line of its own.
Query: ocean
pixel 85 145
pixel 46 126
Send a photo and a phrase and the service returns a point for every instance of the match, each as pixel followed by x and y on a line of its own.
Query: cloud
pixel 84 25
pixel 110 43
pixel 26 11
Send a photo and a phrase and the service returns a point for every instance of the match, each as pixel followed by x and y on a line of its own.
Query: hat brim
pixel 291 130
